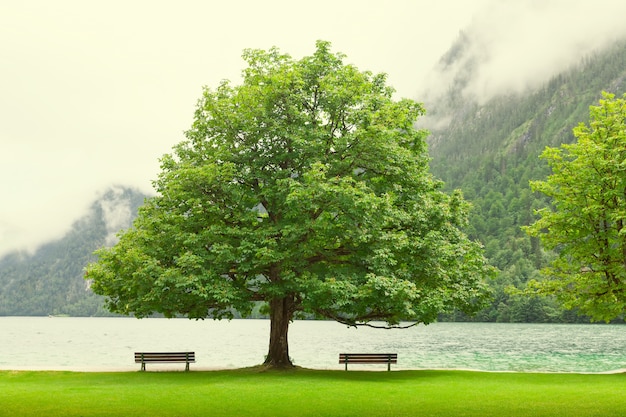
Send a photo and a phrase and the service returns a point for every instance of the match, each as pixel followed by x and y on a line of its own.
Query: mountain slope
pixel 491 151
pixel 50 281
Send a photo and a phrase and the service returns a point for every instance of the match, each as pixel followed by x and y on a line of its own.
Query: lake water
pixel 108 344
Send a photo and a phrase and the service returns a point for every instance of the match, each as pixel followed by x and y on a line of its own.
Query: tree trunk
pixel 281 312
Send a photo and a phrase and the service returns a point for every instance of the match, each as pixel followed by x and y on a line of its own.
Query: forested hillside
pixel 50 281
pixel 491 152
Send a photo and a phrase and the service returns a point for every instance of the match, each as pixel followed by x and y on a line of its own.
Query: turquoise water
pixel 109 343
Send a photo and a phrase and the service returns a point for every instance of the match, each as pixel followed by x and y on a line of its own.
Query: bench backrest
pixel 368 358
pixel 165 357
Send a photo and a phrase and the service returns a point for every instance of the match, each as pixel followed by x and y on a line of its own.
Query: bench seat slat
pixel 165 358
pixel 368 356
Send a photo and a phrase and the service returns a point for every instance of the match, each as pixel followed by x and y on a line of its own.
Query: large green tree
pixel 586 224
pixel 307 188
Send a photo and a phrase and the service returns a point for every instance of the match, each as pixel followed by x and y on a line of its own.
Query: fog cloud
pixel 513 46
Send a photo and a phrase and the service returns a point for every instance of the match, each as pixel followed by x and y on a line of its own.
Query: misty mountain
pixel 491 150
pixel 50 280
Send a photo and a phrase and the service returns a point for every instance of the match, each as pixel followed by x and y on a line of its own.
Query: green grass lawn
pixel 250 392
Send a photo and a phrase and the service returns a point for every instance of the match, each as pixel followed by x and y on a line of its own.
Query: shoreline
pixel 157 369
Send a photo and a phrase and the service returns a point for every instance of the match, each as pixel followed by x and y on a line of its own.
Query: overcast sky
pixel 93 93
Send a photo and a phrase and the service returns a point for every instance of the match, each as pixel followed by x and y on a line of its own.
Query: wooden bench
pixel 366 358
pixel 165 357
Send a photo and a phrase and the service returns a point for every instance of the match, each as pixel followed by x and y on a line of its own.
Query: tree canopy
pixel 586 223
pixel 306 187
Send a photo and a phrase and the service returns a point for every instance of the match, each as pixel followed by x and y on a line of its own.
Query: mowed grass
pixel 252 392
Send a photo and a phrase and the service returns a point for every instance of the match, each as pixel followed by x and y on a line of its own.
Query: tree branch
pixel 364 321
